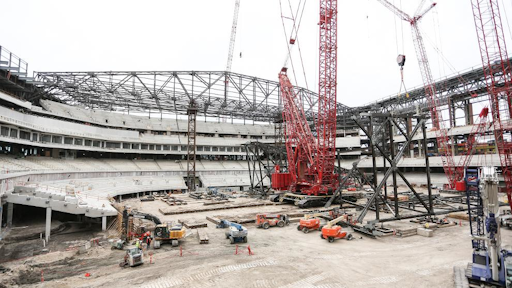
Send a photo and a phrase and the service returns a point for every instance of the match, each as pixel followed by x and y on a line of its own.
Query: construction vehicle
pixel 126 234
pixel 116 244
pixel 310 222
pixel 168 232
pixel 266 220
pixel 133 257
pixel 491 265
pixel 237 233
pixel 164 232
pixel 506 219
pixel 331 231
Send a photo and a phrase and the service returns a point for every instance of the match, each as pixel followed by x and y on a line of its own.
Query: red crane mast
pixel 310 159
pixel 493 51
pixel 326 123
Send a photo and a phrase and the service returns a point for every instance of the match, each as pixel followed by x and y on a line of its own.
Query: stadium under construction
pixel 100 170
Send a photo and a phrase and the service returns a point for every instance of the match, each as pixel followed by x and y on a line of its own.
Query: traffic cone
pixel 249 248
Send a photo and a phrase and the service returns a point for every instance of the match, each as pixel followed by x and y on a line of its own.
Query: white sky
pixel 63 35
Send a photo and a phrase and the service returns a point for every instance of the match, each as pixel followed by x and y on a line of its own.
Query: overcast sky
pixel 63 35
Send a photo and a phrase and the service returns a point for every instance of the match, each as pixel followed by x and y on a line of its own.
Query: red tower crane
pixel 310 159
pixel 430 88
pixel 493 51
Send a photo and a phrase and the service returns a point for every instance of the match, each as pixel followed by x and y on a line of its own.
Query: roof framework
pixel 468 85
pixel 242 97
pixel 214 93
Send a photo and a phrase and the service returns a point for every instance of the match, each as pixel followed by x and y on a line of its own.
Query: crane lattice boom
pixel 476 131
pixel 310 159
pixel 300 142
pixel 326 123
pixel 493 51
pixel 233 36
pixel 430 88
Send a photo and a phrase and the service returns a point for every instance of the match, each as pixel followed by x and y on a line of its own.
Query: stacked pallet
pixel 171 201
pixel 214 220
pixel 174 212
pixel 407 232
pixel 193 225
pixel 203 236
pixel 216 202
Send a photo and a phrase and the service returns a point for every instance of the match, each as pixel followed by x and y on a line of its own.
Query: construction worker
pixel 148 238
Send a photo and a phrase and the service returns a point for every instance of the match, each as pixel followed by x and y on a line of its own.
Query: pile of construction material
pixel 172 201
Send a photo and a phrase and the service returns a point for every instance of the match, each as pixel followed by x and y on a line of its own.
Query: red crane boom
pixel 430 88
pixel 300 144
pixel 310 159
pixel 493 51
pixel 476 131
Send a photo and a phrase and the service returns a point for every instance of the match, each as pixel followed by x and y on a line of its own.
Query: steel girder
pixel 246 97
pixel 467 85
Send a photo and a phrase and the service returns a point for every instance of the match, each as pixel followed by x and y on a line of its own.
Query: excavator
pixel 332 231
pixel 135 214
pixel 164 232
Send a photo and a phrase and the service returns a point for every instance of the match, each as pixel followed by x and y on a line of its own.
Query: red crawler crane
pixel 310 159
pixel 430 88
pixel 493 50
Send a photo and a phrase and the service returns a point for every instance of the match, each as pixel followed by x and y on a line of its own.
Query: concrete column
pixel 137 195
pixel 104 223
pixel 48 223
pixel 120 198
pixel 420 149
pixel 10 208
pixel 468 113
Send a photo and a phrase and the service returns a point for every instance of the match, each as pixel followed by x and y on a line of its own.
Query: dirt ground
pixel 283 257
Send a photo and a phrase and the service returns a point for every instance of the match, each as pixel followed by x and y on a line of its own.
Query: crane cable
pixel 401 57
pixel 402 83
pixel 288 56
pixel 295 28
pixel 298 44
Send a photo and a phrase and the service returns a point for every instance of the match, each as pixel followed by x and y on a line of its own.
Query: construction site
pixel 175 178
